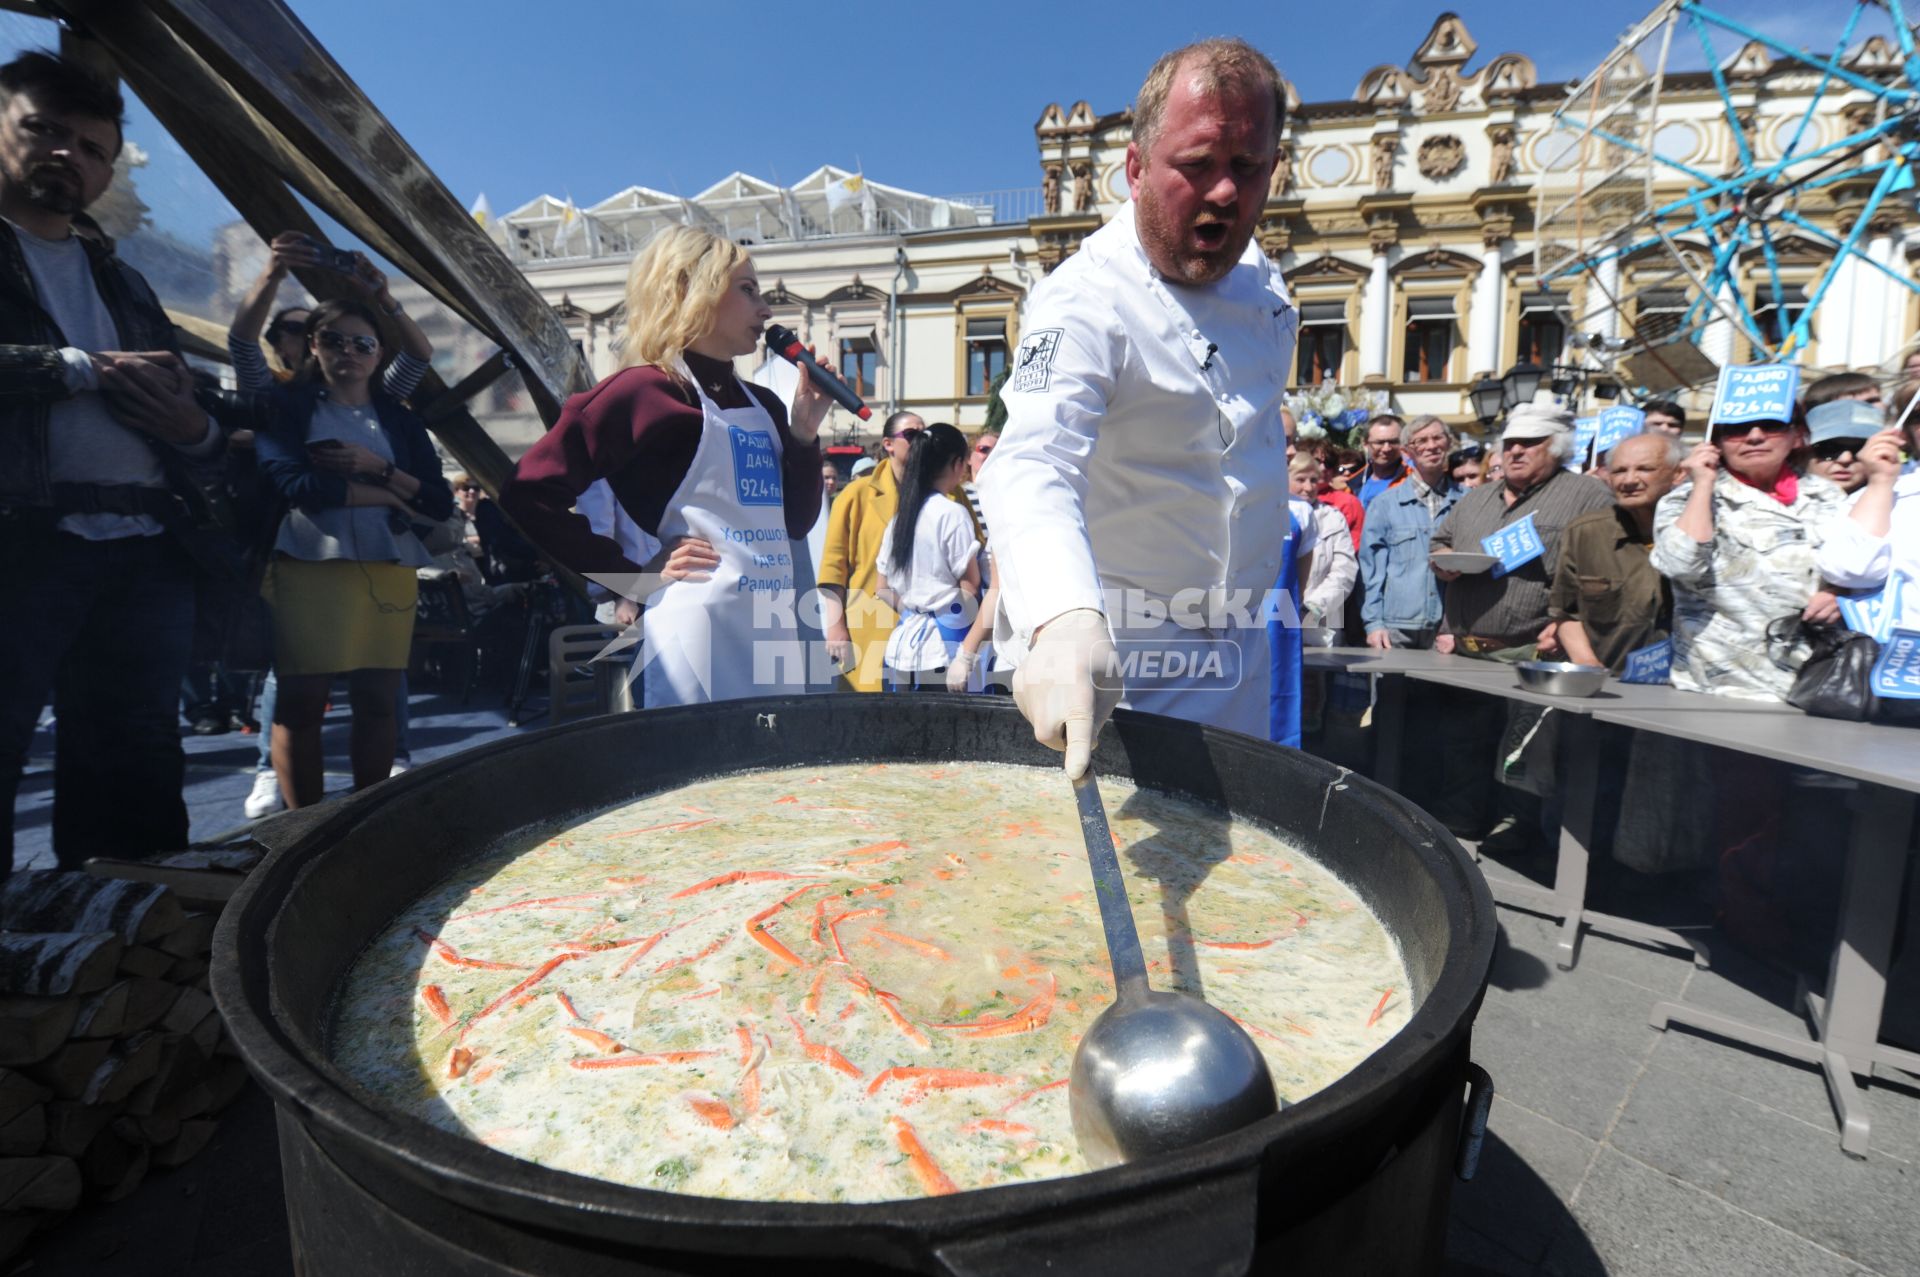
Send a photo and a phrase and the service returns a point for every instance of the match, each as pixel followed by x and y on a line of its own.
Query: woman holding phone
pixel 701 461
pixel 360 479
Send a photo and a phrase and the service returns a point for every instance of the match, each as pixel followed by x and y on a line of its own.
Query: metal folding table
pixel 1845 1020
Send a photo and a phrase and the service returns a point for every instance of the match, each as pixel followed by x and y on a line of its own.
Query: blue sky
pixel 567 97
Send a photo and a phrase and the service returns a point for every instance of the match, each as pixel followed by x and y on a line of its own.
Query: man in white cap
pixel 1501 612
pixel 1504 613
pixel 1139 492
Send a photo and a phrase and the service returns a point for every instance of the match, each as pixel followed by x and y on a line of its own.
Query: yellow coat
pixel 851 560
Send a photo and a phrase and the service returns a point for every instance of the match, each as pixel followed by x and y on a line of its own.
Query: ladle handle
pixel 1110 889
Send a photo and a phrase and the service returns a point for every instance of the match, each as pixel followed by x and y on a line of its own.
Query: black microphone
pixel 782 342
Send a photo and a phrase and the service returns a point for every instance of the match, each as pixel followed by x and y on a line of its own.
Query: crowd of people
pixel 1142 465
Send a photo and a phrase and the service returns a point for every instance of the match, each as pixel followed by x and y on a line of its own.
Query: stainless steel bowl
pixel 1562 678
pixel 1319 635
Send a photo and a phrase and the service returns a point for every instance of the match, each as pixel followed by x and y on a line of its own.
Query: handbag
pixel 1836 680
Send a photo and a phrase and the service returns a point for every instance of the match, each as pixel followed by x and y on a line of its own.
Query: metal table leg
pixel 1846 1022
pixel 1567 900
pixel 1389 725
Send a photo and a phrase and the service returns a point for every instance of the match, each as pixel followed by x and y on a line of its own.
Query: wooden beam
pixel 451 400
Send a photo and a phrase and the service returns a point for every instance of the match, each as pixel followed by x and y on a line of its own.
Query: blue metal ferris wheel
pixel 1631 214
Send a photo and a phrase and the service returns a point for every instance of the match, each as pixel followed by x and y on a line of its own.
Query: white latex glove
pixel 1055 686
pixel 958 670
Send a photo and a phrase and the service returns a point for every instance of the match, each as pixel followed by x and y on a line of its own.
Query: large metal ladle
pixel 1156 1071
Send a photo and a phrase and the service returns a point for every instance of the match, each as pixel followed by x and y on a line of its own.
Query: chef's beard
pixel 1169 249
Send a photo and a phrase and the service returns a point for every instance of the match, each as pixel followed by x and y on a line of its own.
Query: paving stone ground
pixel 1613 1148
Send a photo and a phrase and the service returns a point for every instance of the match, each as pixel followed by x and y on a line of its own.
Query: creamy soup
pixel 840 984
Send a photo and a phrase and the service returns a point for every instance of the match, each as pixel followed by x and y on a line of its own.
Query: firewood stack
pixel 113 1059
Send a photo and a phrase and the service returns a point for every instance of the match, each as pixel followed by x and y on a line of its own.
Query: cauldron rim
pixel 513 1188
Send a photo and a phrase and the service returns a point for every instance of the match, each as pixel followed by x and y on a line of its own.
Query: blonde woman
pixel 705 463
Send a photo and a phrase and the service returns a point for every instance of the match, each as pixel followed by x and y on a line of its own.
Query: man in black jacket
pixel 102 447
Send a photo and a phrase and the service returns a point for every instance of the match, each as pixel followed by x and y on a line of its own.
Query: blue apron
pixel 1285 648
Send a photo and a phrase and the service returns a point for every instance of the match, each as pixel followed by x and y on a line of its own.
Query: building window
pixel 1323 343
pixel 1662 311
pixel 1429 339
pixel 859 364
pixel 1776 314
pixel 1543 330
pixel 986 353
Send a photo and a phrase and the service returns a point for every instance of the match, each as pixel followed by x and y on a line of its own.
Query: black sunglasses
pixel 909 434
pixel 1724 429
pixel 1834 449
pixel 1467 452
pixel 358 343
pixel 468 487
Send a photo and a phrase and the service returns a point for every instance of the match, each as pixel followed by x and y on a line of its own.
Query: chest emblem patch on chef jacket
pixel 1033 364
pixel 756 471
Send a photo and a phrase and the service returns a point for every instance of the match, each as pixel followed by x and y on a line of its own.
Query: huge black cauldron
pixel 1355 1179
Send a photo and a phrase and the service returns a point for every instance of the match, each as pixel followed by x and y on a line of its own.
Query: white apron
pixel 734 634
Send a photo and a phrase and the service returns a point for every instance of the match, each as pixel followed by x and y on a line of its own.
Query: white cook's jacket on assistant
pixel 1143 449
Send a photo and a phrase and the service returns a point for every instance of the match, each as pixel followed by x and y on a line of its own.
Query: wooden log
pixel 18 1092
pixel 31 1029
pixel 15 1231
pixel 187 1011
pixel 69 1069
pixel 233 859
pixel 131 1179
pixel 193 1137
pixel 133 1061
pixel 108 1159
pixel 209 887
pixel 182 1065
pixel 187 971
pixel 217 1088
pixel 39 1183
pixel 161 1128
pixel 25 1134
pixel 71 1126
pixel 68 900
pixel 54 963
pixel 146 962
pixel 104 1015
pixel 193 938
pixel 148 1002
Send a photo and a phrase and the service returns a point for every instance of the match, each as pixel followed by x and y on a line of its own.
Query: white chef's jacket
pixel 1143 450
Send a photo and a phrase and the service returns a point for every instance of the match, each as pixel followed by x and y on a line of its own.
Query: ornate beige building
pixel 1403 217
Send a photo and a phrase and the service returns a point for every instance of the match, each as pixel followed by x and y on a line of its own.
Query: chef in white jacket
pixel 1139 491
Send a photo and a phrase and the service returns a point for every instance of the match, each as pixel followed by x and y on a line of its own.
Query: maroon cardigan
pixel 639 430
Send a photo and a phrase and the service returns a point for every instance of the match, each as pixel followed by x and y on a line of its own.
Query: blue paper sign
pixel 1650 664
pixel 1896 674
pixel 1616 423
pixel 1515 545
pixel 1754 392
pixel 1868 614
pixel 756 471
pixel 1584 429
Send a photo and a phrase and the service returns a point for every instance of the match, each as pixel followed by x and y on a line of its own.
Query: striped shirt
pixel 251 372
pixel 973 499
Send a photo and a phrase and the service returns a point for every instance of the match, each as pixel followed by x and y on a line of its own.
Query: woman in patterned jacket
pixel 1738 542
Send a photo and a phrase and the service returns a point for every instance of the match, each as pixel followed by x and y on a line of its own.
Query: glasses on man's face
pixel 358 343
pixel 1512 445
pixel 1834 449
pixel 1382 444
pixel 468 487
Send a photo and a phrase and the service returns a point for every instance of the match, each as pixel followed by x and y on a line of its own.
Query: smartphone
pixel 338 260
